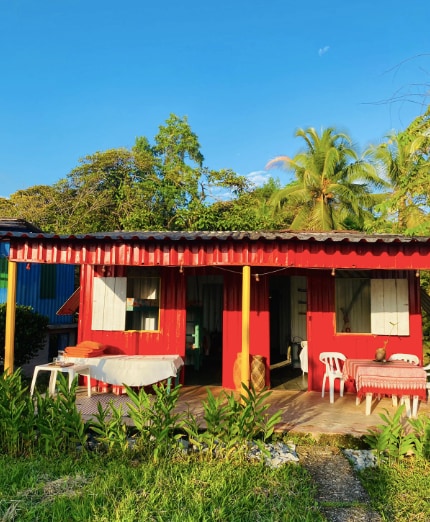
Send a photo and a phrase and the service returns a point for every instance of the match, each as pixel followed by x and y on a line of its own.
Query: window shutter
pixel 48 281
pixel 3 272
pixel 389 307
pixel 109 299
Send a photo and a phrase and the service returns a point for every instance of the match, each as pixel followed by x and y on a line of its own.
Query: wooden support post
pixel 246 305
pixel 10 318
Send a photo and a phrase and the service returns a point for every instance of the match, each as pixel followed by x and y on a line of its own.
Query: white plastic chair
pixel 333 370
pixel 427 370
pixel 304 357
pixel 407 357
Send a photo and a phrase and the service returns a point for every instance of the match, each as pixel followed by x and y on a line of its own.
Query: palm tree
pixel 332 186
pixel 403 160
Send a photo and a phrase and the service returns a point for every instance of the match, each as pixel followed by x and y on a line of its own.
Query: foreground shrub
pixel 58 423
pixel 231 421
pixel 54 426
pixel 30 332
pixel 17 434
pixel 399 437
pixel 49 425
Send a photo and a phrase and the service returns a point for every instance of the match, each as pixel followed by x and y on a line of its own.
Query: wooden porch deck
pixel 303 412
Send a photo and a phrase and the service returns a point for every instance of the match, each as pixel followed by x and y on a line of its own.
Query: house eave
pixel 310 250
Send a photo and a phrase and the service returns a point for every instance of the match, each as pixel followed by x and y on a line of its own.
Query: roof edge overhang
pixel 280 249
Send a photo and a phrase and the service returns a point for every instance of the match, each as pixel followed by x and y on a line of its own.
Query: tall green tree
pixel 402 206
pixel 99 192
pixel 333 186
pixel 403 159
pixel 182 187
pixel 179 169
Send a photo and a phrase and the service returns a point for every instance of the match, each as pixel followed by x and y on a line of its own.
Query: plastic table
pixel 395 378
pixel 71 369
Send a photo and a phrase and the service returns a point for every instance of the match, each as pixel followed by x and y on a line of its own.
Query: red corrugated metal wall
pixel 321 329
pixel 232 324
pixel 171 336
pixel 170 339
pixel 322 334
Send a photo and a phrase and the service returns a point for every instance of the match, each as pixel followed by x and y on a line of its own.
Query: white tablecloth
pixel 133 370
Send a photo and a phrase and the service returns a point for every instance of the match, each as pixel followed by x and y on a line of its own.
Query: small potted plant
pixel 381 352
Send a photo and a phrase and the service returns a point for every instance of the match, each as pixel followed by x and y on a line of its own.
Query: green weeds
pixel 53 425
pixel 230 422
pixel 17 416
pixel 399 437
pixel 111 433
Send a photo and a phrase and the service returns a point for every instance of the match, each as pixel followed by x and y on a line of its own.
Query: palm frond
pixel 275 162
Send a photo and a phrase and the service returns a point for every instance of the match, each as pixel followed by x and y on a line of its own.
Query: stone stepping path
pixel 341 496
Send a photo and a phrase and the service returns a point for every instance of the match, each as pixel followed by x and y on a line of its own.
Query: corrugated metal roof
pixel 17 225
pixel 285 248
pixel 332 236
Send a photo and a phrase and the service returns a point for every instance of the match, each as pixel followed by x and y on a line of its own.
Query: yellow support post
pixel 246 305
pixel 10 318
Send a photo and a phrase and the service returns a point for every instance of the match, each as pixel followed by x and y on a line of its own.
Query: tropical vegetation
pixel 164 184
pixel 31 329
pixel 332 189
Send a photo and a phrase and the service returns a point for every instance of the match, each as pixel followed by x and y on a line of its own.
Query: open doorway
pixel 203 354
pixel 288 308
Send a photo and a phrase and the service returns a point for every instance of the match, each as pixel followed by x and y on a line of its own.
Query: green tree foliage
pixel 30 332
pixel 332 189
pixel 42 205
pixel 164 186
pixel 248 211
pixel 403 160
pixel 6 208
pixel 102 189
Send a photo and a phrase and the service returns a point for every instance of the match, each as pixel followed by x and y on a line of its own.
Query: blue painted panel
pixel 28 289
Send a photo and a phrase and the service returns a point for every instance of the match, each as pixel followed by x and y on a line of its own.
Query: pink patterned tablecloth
pixel 386 378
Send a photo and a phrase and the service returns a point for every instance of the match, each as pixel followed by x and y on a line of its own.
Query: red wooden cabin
pixel 175 292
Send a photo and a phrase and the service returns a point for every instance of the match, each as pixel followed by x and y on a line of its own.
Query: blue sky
pixel 80 76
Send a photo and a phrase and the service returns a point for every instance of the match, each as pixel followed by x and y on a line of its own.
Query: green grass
pixel 400 491
pixel 124 490
pixel 42 478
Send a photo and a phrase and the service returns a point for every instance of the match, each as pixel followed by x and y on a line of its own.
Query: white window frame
pixel 148 296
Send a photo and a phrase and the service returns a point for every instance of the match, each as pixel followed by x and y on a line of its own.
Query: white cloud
pixel 323 50
pixel 258 177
